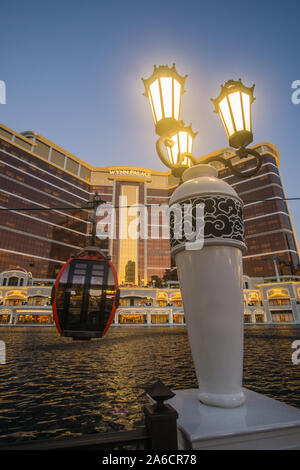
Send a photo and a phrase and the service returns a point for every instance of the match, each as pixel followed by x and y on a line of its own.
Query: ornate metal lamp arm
pixel 177 168
pixel 164 140
pixel 190 157
pixel 242 153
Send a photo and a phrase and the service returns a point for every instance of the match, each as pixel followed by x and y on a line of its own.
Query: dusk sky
pixel 73 74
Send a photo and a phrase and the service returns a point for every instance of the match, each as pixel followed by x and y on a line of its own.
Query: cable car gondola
pixel 85 295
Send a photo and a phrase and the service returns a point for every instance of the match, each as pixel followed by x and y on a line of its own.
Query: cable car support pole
pixel 95 203
pixel 92 246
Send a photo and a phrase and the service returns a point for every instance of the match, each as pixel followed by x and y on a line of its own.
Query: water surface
pixel 55 387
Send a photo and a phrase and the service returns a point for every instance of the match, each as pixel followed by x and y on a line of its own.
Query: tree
pixel 170 275
pixel 156 281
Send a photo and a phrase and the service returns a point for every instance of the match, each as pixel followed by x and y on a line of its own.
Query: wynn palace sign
pixel 134 172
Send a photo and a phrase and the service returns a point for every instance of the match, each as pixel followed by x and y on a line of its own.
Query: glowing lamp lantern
pixel 182 146
pixel 164 89
pixel 234 107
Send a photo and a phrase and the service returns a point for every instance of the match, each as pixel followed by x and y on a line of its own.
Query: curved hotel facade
pixel 36 174
pixel 24 302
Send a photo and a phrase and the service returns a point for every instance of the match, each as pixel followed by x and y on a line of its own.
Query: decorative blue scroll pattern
pixel 223 218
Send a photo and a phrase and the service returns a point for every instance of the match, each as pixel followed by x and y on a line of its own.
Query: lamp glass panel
pixel 152 109
pixel 183 142
pixel 226 116
pixel 155 95
pixel 247 113
pixel 170 154
pixel 175 148
pixel 236 108
pixel 223 122
pixel 186 161
pixel 166 89
pixel 190 146
pixel 177 95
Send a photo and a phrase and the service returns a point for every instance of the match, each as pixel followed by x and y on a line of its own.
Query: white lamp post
pixel 211 284
pixel 220 413
pixel 211 275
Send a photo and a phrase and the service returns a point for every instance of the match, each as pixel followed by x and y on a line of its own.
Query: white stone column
pixel 211 284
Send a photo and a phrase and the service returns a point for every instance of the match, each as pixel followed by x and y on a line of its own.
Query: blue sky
pixel 73 73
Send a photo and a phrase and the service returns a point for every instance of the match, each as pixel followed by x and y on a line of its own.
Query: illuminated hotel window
pixel 42 149
pixel 72 166
pixel 57 158
pixel 13 281
pixel 128 248
pixel 4 318
pixel 282 316
pixel 84 173
pixel 5 134
pixel 22 143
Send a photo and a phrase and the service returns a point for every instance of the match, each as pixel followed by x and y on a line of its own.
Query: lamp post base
pixel 223 401
pixel 261 423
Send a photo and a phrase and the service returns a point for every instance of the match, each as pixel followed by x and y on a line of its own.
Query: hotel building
pixel 23 302
pixel 36 174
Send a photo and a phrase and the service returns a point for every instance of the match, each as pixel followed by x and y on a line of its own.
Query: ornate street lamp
pixel 234 107
pixel 179 147
pixel 209 256
pixel 164 89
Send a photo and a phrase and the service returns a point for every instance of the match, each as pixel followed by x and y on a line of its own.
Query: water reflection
pixel 54 387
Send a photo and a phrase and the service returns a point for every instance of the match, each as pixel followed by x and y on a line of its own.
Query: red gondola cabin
pixel 85 297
